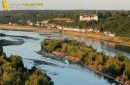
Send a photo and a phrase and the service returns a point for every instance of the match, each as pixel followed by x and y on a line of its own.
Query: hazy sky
pixel 77 4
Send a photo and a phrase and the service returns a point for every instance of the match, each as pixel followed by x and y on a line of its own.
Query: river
pixel 62 73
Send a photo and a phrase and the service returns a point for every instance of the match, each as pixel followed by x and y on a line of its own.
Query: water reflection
pixel 108 48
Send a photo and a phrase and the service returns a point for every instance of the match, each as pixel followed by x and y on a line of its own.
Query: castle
pixel 88 17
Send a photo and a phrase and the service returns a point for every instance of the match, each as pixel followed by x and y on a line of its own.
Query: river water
pixel 62 73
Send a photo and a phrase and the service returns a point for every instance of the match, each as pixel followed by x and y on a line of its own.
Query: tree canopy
pixel 13 72
pixel 117 66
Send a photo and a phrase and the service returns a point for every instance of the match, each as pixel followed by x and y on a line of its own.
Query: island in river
pixel 114 68
pixel 4 42
pixel 13 72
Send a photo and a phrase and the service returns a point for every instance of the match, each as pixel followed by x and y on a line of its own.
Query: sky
pixel 74 4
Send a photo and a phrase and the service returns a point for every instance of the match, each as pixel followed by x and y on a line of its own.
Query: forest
pixel 13 72
pixel 116 67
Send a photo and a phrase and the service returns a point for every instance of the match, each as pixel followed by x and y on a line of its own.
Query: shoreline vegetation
pixel 13 72
pixel 113 68
pixel 99 36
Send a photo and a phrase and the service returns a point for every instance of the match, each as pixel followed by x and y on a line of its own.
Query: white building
pixel 109 34
pixel 44 22
pixel 37 23
pixel 88 17
pixel 10 23
pixel 29 22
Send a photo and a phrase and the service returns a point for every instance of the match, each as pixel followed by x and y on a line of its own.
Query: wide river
pixel 62 73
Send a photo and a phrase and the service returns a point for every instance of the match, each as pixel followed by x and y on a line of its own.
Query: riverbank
pixel 99 36
pixel 26 28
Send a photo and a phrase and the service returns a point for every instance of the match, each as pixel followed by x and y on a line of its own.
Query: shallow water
pixel 63 73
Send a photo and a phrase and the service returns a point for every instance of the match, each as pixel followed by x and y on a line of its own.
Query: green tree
pixel 1 50
pixel 16 61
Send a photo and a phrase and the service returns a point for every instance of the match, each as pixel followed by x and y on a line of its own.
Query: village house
pixel 96 30
pixel 59 27
pixel 44 22
pixel 71 29
pixel 29 22
pixel 90 29
pixel 88 17
pixel 83 30
pixel 37 23
pixel 109 34
pixel 50 26
pixel 10 23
